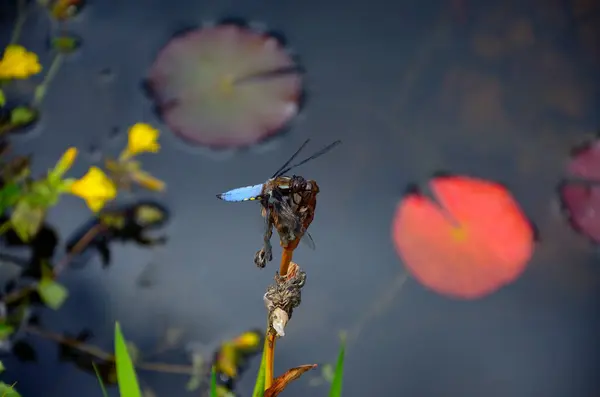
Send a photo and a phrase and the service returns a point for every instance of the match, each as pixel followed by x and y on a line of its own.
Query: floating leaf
pixel 66 43
pixel 213 382
pixel 259 385
pixel 128 383
pixel 581 197
pixel 2 99
pixel 22 115
pixel 52 293
pixel 471 242
pixel 582 202
pixel 281 382
pixel 338 377
pixel 27 219
pixel 7 390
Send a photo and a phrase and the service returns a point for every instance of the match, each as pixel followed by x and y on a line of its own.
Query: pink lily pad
pixel 580 193
pixel 192 81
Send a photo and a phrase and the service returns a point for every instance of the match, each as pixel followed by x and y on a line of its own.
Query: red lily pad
pixel 470 243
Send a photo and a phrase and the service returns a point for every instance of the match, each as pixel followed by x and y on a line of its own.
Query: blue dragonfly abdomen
pixel 246 193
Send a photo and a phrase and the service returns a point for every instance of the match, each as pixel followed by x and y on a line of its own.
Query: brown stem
pixel 286 257
pixel 79 246
pixel 269 358
pixel 103 355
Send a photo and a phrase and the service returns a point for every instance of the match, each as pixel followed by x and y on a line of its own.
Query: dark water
pixel 411 88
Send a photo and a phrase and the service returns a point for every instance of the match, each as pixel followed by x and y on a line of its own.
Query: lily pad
pixel 580 192
pixel 471 242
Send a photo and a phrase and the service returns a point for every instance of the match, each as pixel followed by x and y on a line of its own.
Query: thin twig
pixel 87 238
pixel 40 91
pixel 103 355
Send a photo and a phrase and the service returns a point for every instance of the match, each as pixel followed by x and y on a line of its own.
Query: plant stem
pixel 103 355
pixel 79 246
pixel 40 91
pixel 287 256
pixel 21 16
pixel 270 358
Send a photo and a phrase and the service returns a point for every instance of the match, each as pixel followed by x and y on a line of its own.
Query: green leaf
pixel 128 384
pixel 338 377
pixel 22 115
pixel 27 219
pixel 6 331
pixel 213 382
pixel 7 390
pixel 104 393
pixel 2 99
pixel 2 367
pixel 259 386
pixel 52 293
pixel 9 195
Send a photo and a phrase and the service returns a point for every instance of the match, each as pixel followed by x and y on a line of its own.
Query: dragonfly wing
pixel 308 241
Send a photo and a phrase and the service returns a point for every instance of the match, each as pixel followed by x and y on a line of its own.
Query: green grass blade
pixel 338 377
pixel 128 384
pixel 259 386
pixel 104 393
pixel 213 382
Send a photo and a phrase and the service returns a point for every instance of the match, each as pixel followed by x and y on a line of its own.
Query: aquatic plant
pixel 225 86
pixel 18 63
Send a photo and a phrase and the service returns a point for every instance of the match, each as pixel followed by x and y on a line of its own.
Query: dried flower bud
pixel 283 297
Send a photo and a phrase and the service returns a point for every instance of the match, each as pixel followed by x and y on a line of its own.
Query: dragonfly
pixel 280 197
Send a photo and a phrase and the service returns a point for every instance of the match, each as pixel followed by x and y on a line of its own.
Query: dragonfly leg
pixel 265 254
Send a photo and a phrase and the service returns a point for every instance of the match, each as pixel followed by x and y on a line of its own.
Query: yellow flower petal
pixel 18 63
pixel 142 138
pixel 95 204
pixel 95 188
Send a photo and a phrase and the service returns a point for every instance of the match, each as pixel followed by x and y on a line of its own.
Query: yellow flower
pixel 18 63
pixel 142 138
pixel 95 188
pixel 65 162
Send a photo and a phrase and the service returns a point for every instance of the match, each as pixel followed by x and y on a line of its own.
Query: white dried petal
pixel 280 319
